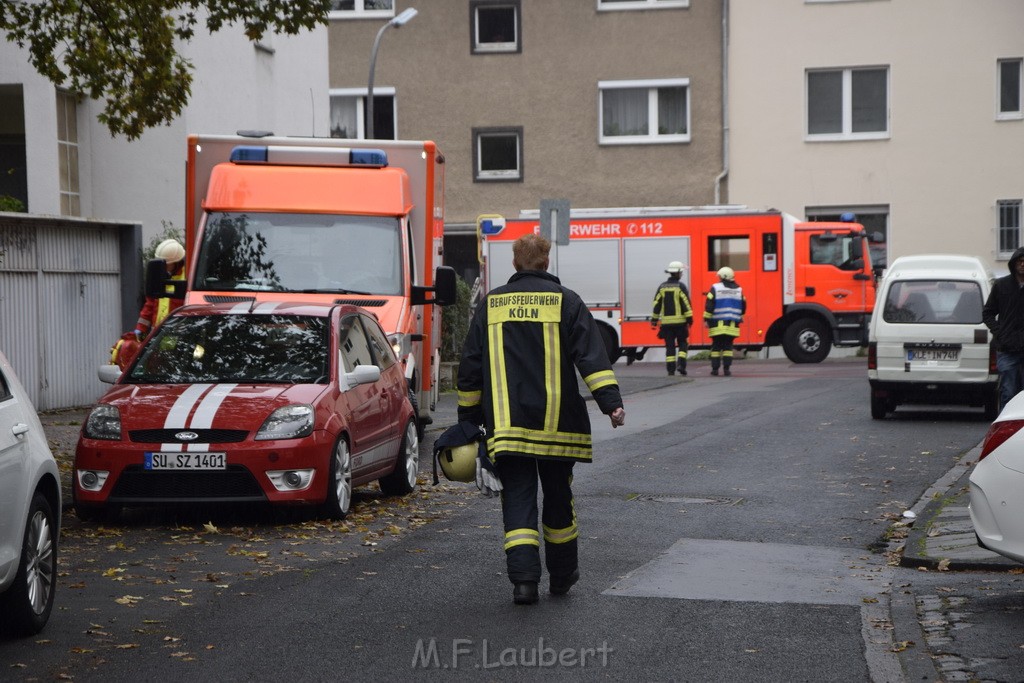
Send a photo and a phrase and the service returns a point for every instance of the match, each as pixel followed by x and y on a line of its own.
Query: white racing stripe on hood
pixel 267 307
pixel 241 308
pixel 177 418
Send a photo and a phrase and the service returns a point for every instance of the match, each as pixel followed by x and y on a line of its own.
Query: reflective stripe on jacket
pixel 517 374
pixel 672 304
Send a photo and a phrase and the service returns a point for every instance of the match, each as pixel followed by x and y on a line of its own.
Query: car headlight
pixel 104 422
pixel 289 422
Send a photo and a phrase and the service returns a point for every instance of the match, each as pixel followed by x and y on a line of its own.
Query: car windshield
pixel 235 348
pixel 282 252
pixel 951 302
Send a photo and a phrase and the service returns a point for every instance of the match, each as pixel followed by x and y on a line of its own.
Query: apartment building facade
pixel 907 112
pixel 599 102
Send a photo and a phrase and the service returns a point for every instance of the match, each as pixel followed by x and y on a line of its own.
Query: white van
pixel 926 341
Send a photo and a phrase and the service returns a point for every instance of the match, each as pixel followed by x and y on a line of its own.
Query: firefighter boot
pixel 671 367
pixel 714 366
pixel 681 366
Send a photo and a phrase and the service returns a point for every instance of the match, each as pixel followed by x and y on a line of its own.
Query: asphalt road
pixel 735 529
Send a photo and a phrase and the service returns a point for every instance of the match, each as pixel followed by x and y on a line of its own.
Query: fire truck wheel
pixel 610 343
pixel 806 341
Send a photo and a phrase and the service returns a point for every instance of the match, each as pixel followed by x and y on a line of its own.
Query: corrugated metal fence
pixel 68 289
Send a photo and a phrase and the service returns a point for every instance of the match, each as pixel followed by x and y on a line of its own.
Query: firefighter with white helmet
pixel 156 309
pixel 723 313
pixel 672 308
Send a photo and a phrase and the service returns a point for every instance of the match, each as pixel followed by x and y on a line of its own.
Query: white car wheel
pixel 30 598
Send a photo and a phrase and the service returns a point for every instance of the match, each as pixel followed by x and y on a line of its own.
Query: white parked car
pixel 997 484
pixel 30 509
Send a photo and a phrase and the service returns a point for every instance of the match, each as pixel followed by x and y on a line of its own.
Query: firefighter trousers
pixel 519 475
pixel 676 337
pixel 721 350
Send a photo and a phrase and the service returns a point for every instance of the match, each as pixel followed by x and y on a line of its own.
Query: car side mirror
pixel 444 288
pixel 363 374
pixel 109 374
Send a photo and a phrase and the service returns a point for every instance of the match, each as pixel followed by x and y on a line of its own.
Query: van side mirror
pixel 158 285
pixel 444 288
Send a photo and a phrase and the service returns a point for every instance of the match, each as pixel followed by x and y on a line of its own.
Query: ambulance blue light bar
pixel 309 156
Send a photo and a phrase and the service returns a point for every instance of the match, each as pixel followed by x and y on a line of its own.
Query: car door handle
pixel 19 429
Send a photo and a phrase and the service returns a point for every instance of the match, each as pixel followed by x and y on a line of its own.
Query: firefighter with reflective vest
pixel 672 308
pixel 723 313
pixel 155 309
pixel 517 378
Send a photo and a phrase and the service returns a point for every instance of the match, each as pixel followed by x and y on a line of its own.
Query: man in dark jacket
pixel 517 377
pixel 1004 315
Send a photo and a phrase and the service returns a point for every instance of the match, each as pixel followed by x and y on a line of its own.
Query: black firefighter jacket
pixel 517 375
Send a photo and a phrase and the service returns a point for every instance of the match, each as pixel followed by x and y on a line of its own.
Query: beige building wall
pixel 947 159
pixel 550 89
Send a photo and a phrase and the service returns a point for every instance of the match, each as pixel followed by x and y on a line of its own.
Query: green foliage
pixel 167 232
pixel 12 204
pixel 455 323
pixel 125 51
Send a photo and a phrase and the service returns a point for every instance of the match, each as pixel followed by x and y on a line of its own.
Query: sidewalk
pixel 942 536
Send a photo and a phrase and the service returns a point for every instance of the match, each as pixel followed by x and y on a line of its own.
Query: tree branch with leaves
pixel 125 52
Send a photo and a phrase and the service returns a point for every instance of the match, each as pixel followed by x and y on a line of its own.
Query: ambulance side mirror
pixel 159 285
pixel 444 288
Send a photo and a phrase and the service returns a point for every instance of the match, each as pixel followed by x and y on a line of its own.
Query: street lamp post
pixel 398 21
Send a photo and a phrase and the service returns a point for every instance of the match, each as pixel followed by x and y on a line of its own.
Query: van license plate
pixel 932 354
pixel 185 461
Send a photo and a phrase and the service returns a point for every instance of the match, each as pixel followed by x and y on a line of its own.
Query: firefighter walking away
pixel 672 308
pixel 517 378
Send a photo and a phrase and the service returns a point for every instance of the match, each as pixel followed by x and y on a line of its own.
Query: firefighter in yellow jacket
pixel 723 313
pixel 517 377
pixel 672 308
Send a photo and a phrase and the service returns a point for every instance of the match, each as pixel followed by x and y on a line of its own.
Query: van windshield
pixel 282 252
pixel 952 302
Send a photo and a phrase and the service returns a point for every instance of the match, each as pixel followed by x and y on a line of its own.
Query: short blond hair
pixel 530 252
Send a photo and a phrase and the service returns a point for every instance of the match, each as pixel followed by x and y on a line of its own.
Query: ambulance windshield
pixel 280 252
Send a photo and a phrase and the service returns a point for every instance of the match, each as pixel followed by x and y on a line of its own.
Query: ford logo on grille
pixel 186 436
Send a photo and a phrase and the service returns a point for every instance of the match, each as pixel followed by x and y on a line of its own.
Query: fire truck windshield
pixel 281 252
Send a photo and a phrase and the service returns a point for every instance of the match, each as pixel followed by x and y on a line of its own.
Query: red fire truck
pixel 809 286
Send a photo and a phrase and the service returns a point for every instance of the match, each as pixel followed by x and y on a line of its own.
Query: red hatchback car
pixel 266 402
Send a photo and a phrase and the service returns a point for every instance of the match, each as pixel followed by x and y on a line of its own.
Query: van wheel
pixel 879 407
pixel 992 405
pixel 807 341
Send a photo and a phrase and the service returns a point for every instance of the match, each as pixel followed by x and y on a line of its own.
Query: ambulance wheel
pixel 402 479
pixel 806 341
pixel 415 401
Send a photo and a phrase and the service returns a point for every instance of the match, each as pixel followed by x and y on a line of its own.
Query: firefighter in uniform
pixel 517 378
pixel 723 313
pixel 156 309
pixel 672 308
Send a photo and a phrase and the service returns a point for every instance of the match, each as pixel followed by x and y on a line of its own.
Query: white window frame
pixel 847 124
pixel 490 48
pixel 513 175
pixel 604 6
pixel 1018 204
pixel 360 13
pixel 652 86
pixel 360 94
pixel 1019 113
pixel 69 153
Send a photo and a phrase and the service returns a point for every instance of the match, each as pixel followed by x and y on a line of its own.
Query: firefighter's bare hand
pixel 618 417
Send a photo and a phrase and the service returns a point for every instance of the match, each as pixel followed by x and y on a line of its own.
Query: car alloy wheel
pixel 339 492
pixel 30 599
pixel 402 479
